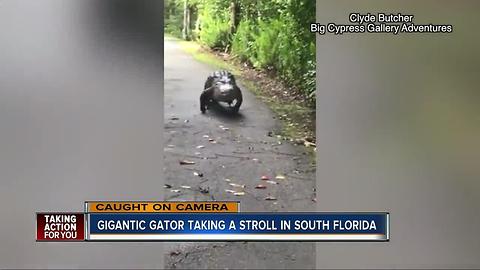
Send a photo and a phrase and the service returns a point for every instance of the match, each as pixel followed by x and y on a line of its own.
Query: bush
pixel 279 45
pixel 243 41
pixel 215 33
pixel 296 62
pixel 308 84
pixel 266 44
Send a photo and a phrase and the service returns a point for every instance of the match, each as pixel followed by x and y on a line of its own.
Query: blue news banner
pixel 237 227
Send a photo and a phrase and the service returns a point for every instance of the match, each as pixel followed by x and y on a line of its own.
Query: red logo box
pixel 54 227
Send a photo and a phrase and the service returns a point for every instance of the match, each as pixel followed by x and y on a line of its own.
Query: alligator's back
pixel 219 76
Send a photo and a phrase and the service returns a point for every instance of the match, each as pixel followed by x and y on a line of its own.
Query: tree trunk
pixel 189 24
pixel 233 17
pixel 186 21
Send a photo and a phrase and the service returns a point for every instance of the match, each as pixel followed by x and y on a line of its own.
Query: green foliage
pixel 215 33
pixel 173 26
pixel 309 82
pixel 173 18
pixel 244 40
pixel 280 46
pixel 216 9
pixel 296 63
pixel 214 28
pixel 266 46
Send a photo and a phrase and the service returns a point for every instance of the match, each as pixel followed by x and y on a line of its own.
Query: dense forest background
pixel 270 35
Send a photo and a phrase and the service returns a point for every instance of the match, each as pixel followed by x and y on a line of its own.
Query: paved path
pixel 243 152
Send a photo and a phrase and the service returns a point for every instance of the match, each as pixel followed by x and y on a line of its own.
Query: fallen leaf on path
pixel 174 118
pixel 308 144
pixel 175 190
pixel 227 180
pixel 239 193
pixel 272 182
pixel 261 187
pixel 204 190
pixel 167 186
pixel 186 121
pixel 299 141
pixel 175 253
pixel 206 136
pixel 198 174
pixel 280 177
pixel 270 198
pixel 186 187
pixel 237 185
pixel 200 146
pixel 230 191
pixel 255 159
pixel 186 162
pixel 309 139
pixel 264 177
